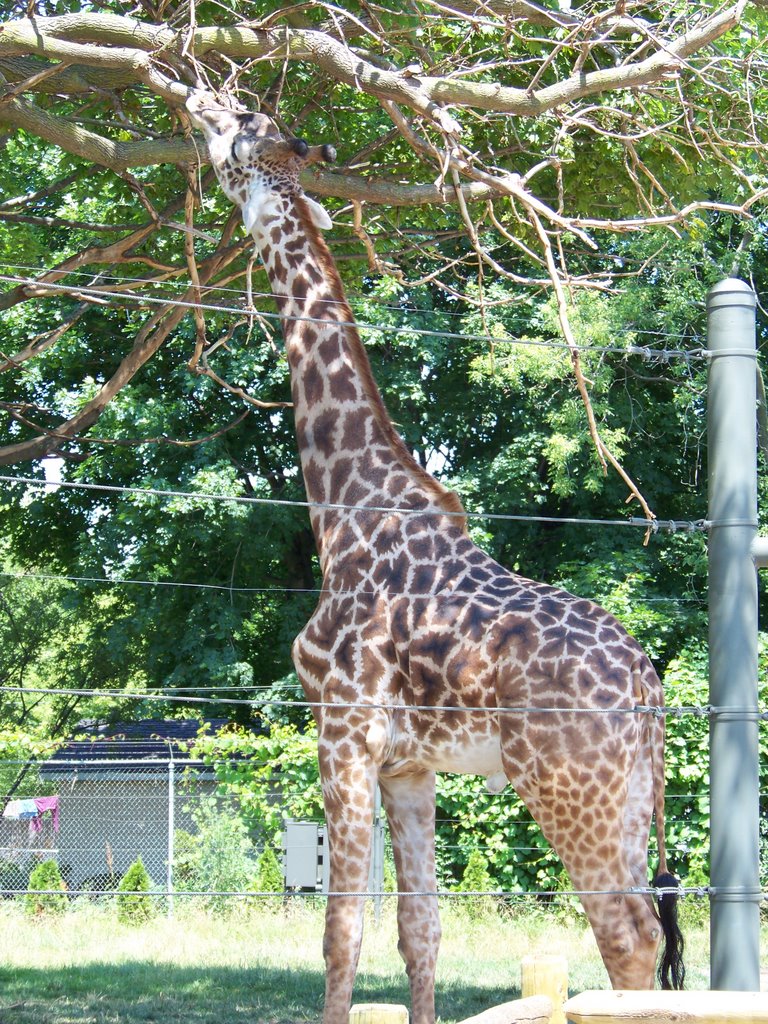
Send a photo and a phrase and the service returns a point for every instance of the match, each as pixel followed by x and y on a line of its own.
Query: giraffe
pixel 421 645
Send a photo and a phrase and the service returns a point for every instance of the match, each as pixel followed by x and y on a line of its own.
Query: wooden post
pixel 546 976
pixel 378 1013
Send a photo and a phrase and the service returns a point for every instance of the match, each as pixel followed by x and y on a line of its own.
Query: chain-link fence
pixel 107 814
pixel 99 815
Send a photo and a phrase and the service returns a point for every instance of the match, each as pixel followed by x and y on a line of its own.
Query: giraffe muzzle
pixel 313 154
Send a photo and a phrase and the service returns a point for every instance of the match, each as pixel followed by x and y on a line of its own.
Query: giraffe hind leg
pixel 410 804
pixel 625 926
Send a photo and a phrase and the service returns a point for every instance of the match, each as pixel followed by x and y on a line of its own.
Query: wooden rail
pixel 619 1007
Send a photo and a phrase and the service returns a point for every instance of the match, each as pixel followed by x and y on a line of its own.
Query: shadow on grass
pixel 140 991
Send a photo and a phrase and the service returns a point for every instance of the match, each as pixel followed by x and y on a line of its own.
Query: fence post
pixel 378 856
pixel 171 830
pixel 546 976
pixel 734 757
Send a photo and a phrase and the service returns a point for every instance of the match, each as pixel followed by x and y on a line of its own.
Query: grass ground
pixel 86 968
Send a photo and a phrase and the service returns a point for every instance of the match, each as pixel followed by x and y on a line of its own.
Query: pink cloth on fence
pixel 43 804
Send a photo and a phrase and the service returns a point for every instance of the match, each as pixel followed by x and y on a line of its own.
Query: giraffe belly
pixel 473 756
pixel 463 753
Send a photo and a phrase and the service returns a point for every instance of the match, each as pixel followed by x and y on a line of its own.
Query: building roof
pixel 152 741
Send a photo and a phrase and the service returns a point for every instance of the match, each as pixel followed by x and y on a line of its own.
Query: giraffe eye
pixel 241 150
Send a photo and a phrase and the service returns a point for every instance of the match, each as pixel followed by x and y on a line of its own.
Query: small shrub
pixel 133 907
pixel 42 897
pixel 219 858
pixel 268 878
pixel 269 873
pixel 476 878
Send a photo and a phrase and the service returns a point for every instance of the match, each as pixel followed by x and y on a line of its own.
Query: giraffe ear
pixel 205 112
pixel 319 214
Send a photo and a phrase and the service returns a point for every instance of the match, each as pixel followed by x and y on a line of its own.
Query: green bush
pixel 269 873
pixel 42 897
pixel 133 907
pixel 476 879
pixel 268 878
pixel 218 857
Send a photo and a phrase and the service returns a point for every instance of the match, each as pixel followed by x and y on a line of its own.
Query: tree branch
pixel 426 95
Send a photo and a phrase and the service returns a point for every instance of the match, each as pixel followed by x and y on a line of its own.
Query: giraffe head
pixel 254 163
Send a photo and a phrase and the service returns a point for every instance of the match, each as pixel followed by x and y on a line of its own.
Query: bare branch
pixel 28 198
pixel 148 340
pixel 194 276
pixel 42 341
pixel 132 442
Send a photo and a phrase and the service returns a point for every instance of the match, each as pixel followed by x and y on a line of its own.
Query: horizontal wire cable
pixel 226 588
pixel 640 890
pixel 410 307
pixel 404 310
pixel 684 354
pixel 671 525
pixel 656 711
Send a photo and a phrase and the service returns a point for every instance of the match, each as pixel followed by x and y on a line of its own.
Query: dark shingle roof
pixel 144 742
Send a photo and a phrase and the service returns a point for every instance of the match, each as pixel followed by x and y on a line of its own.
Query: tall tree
pixel 531 130
pixel 568 175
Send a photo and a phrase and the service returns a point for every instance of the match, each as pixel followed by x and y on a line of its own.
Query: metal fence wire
pixel 108 813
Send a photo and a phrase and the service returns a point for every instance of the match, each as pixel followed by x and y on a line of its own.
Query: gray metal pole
pixel 734 757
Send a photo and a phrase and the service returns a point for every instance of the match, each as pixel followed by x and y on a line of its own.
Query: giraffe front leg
pixel 348 777
pixel 410 804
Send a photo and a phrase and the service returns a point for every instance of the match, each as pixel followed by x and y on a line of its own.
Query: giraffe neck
pixel 350 452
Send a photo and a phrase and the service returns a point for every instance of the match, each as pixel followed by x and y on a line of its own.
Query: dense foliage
pixel 45 893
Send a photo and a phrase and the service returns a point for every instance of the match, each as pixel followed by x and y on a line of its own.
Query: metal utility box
pixel 306 863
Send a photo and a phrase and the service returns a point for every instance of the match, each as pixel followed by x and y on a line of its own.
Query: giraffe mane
pixel 445 499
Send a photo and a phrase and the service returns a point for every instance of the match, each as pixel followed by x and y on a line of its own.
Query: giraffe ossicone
pixel 426 655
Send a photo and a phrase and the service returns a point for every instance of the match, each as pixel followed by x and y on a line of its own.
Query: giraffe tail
pixel 671 971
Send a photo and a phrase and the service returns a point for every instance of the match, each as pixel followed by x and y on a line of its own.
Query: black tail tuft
pixel 671 968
